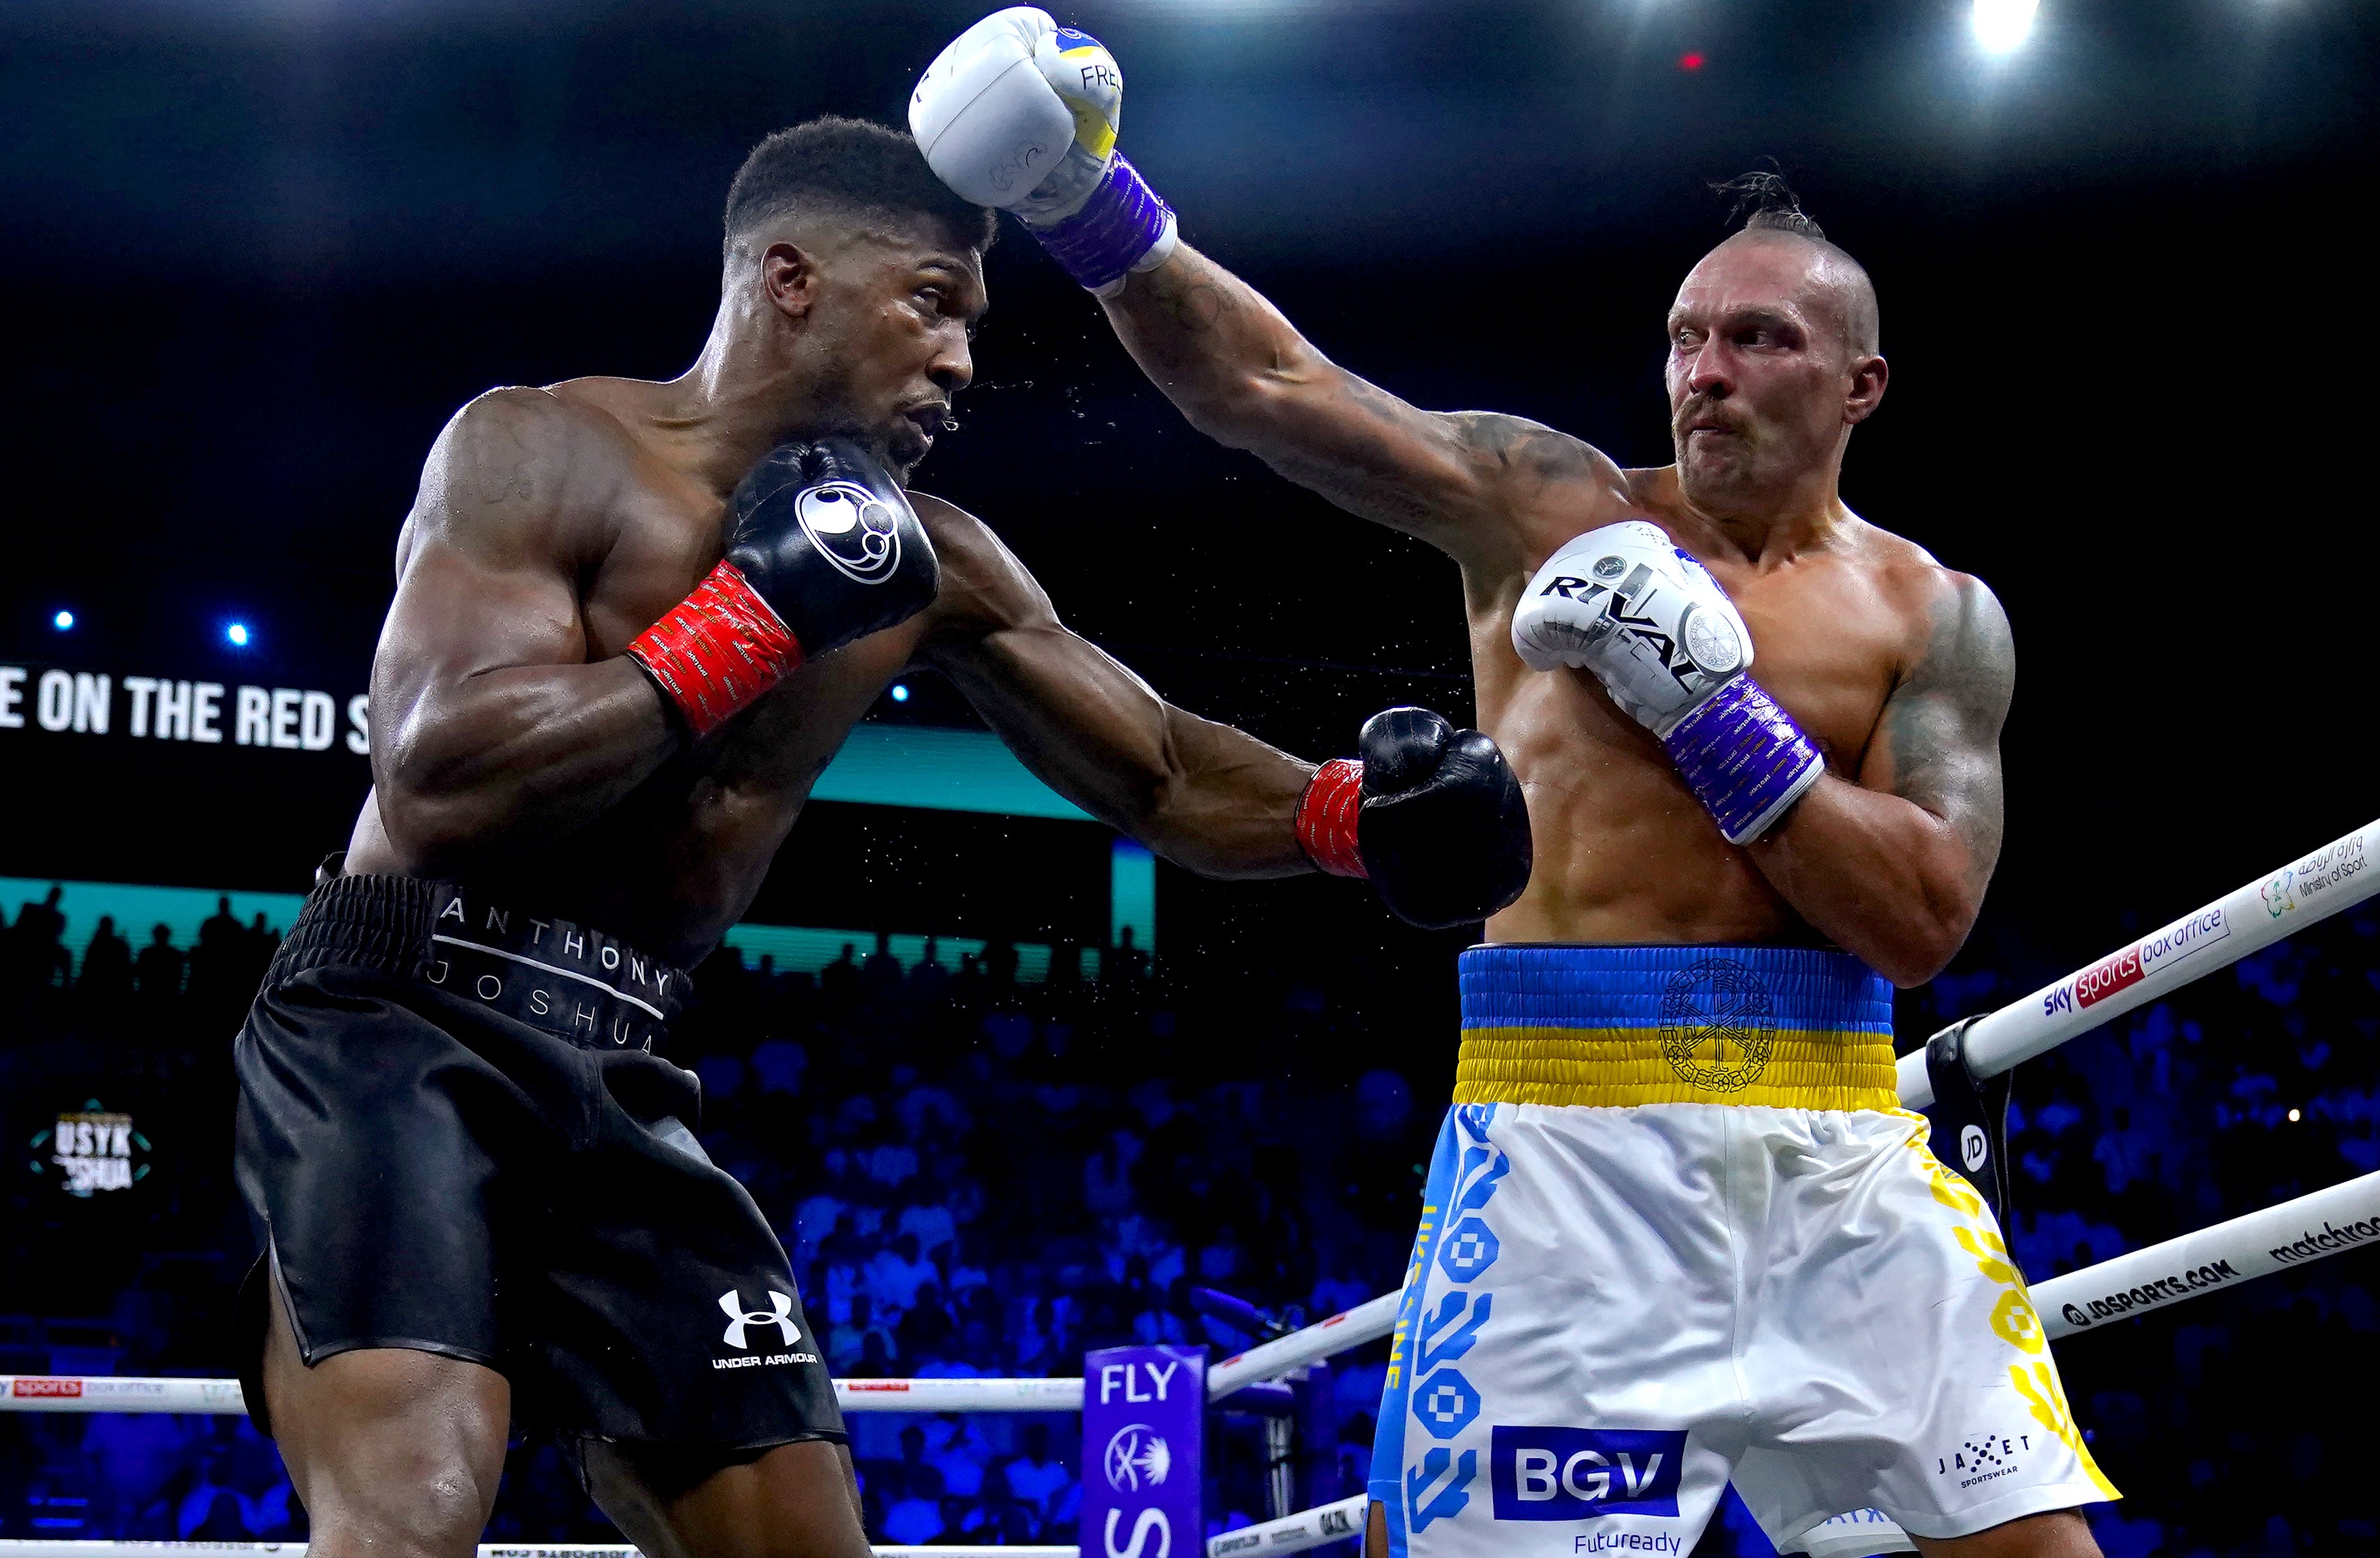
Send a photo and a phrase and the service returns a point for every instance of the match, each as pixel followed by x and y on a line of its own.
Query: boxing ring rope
pixel 2292 1233
pixel 2214 936
pixel 2285 1236
pixel 36 1548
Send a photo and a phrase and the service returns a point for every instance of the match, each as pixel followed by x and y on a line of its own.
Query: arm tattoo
pixel 1511 446
pixel 1942 726
pixel 1194 304
pixel 1522 446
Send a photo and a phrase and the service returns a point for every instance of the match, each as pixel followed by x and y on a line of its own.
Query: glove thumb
pixel 1402 750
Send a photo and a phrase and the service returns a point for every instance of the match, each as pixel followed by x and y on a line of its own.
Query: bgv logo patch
pixel 1578 1474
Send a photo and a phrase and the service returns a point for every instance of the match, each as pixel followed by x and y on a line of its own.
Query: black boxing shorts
pixel 454 1138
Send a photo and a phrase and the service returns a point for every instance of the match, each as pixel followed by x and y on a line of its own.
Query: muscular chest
pixel 666 541
pixel 1827 643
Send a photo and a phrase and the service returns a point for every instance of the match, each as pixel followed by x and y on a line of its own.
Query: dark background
pixel 259 252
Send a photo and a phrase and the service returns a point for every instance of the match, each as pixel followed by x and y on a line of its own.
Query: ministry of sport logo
pixel 1717 1029
pixel 742 1323
pixel 1136 1454
pixel 853 528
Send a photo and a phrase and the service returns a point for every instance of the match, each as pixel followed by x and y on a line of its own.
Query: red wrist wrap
pixel 717 649
pixel 1326 817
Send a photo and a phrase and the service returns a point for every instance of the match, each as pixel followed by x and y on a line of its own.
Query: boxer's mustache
pixel 1700 413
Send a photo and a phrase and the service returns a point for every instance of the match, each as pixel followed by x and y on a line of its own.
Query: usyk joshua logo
pixel 780 1313
pixel 853 528
pixel 1716 1026
pixel 1135 1455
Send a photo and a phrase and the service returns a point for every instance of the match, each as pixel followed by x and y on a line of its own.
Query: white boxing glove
pixel 1656 629
pixel 1650 621
pixel 1021 114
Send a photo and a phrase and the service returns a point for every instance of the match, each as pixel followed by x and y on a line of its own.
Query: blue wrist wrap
pixel 1744 758
pixel 1120 223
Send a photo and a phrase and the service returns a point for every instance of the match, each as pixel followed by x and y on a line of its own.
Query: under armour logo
pixel 780 1313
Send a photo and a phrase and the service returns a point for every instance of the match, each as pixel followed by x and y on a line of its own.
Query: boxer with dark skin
pixel 1899 668
pixel 515 744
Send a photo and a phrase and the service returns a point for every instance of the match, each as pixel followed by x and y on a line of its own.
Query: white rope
pixel 2215 936
pixel 1366 1322
pixel 40 1549
pixel 78 1392
pixel 960 1396
pixel 1292 1533
pixel 2296 1233
pixel 1349 1328
pixel 118 1392
pixel 1295 1533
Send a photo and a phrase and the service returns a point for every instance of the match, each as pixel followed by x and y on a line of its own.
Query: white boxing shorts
pixel 1676 1230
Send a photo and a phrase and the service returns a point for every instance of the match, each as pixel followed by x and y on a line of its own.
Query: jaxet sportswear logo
pixel 853 528
pixel 1716 1028
pixel 780 1313
pixel 1578 1474
pixel 1136 1454
pixel 1983 1457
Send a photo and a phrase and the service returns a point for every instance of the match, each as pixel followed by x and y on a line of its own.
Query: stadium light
pixel 900 693
pixel 2001 25
pixel 237 634
pixel 63 621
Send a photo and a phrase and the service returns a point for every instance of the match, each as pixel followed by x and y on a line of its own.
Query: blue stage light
pixel 900 693
pixel 237 634
pixel 63 621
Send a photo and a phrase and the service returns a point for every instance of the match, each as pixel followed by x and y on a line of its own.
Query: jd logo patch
pixel 1716 1024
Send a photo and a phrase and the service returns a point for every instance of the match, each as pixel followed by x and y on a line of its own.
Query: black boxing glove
pixel 823 548
pixel 1433 816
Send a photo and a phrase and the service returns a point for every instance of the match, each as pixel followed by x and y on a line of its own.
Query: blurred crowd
pixel 980 1175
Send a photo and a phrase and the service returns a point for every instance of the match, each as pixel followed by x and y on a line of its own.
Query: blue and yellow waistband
pixel 1794 1027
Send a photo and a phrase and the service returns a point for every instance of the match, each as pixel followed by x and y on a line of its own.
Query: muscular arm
pixel 1893 868
pixel 1203 794
pixel 491 733
pixel 1243 376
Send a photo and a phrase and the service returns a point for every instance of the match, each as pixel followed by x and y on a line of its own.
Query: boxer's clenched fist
pixel 823 548
pixel 1432 815
pixel 1650 621
pixel 1652 624
pixel 1021 114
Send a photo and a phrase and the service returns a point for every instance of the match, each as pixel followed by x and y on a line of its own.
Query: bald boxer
pixel 632 622
pixel 1676 1230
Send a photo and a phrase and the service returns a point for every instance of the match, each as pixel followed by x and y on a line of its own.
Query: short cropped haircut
pixel 851 170
pixel 1767 205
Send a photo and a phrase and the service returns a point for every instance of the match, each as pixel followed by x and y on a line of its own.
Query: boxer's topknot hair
pixel 851 168
pixel 1772 204
pixel 1765 204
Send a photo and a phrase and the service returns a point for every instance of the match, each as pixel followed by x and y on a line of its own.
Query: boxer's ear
pixel 1869 376
pixel 790 278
